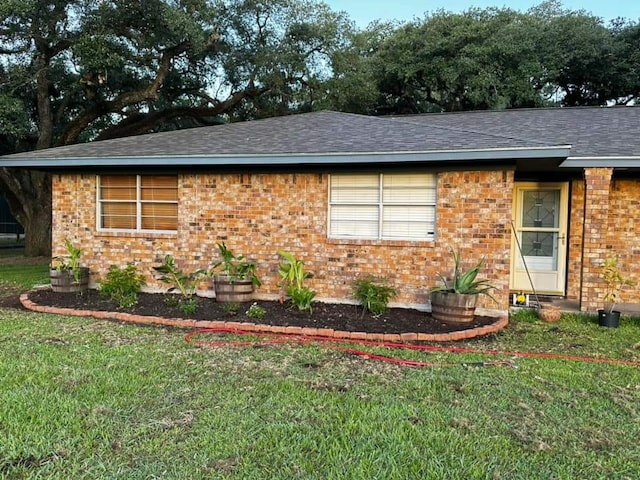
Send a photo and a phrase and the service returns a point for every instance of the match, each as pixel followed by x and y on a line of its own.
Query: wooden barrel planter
pixel 63 281
pixel 453 308
pixel 232 290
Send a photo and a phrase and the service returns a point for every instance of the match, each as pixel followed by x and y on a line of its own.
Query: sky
pixel 365 11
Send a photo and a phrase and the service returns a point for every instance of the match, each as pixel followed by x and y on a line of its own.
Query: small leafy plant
pixel 373 295
pixel 256 311
pixel 302 298
pixel 465 282
pixel 122 285
pixel 293 275
pixel 188 306
pixel 69 262
pixel 231 308
pixel 184 283
pixel 614 281
pixel 236 267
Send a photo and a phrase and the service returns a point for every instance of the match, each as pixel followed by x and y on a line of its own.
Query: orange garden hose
pixel 259 338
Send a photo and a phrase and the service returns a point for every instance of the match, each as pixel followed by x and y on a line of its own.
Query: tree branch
pixel 73 130
pixel 144 123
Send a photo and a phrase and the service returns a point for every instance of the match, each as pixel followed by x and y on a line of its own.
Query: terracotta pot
pixel 549 313
pixel 453 308
pixel 232 290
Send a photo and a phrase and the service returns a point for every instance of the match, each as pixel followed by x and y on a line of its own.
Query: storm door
pixel 540 213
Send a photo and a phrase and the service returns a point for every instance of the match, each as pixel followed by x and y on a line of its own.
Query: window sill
pixel 132 234
pixel 382 243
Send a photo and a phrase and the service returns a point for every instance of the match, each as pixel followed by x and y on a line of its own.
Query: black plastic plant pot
pixel 608 319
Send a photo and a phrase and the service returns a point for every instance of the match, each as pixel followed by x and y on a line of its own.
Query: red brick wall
pixel 611 229
pixel 259 214
pixel 576 232
pixel 624 233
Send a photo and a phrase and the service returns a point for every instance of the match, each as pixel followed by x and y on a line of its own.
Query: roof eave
pixel 341 158
pixel 594 162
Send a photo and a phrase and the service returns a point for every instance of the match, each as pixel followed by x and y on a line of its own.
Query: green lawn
pixel 88 399
pixel 22 271
pixel 81 398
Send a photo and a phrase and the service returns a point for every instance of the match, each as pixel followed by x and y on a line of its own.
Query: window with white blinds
pixel 138 203
pixel 382 206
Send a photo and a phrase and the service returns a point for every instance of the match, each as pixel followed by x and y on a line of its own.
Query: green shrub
pixel 122 285
pixel 256 311
pixel 373 295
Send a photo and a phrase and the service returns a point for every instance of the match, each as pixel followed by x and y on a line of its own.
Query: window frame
pixel 380 205
pixel 139 202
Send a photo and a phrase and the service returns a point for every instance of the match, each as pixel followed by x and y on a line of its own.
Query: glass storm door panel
pixel 540 224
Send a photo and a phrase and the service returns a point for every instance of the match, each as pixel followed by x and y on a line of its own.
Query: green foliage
pixel 172 300
pixel 373 294
pixel 188 305
pixel 231 308
pixel 184 283
pixel 122 285
pixel 293 275
pixel 256 311
pixel 236 267
pixel 500 58
pixel 292 271
pixel 14 121
pixel 524 315
pixel 301 297
pixel 614 281
pixel 465 282
pixel 69 262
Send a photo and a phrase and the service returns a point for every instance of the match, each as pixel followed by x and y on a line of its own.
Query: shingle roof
pixel 332 137
pixel 317 132
pixel 312 133
pixel 591 131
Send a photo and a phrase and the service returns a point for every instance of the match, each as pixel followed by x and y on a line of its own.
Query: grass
pixel 88 399
pixel 22 272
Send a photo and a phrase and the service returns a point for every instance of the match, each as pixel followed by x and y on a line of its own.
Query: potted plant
pixel 66 274
pixel 237 278
pixel 615 282
pixel 454 301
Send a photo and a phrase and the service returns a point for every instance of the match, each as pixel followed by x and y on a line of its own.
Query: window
pixel 386 206
pixel 138 202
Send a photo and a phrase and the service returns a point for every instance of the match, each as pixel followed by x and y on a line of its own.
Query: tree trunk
pixel 45 117
pixel 37 228
pixel 28 194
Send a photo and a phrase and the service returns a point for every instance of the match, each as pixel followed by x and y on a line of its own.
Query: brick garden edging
pixel 501 323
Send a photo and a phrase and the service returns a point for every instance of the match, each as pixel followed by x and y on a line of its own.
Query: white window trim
pixel 139 202
pixel 381 205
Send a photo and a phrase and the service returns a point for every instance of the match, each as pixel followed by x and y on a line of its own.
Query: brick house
pixel 352 195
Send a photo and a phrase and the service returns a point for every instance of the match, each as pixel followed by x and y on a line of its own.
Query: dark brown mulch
pixel 324 315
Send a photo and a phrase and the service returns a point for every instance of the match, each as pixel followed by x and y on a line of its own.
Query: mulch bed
pixel 324 315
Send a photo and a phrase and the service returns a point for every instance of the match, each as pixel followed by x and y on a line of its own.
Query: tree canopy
pixel 499 58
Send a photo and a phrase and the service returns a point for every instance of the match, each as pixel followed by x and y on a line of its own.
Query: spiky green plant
pixel 465 282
